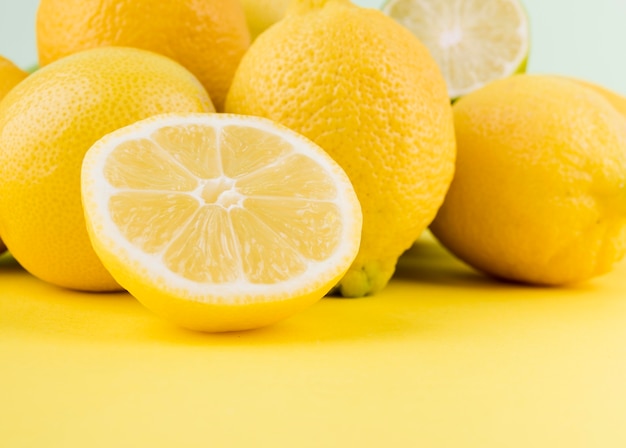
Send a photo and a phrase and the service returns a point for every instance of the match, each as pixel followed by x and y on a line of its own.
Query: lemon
pixel 473 41
pixel 539 194
pixel 47 123
pixel 367 91
pixel 261 14
pixel 10 76
pixel 617 101
pixel 219 222
pixel 207 37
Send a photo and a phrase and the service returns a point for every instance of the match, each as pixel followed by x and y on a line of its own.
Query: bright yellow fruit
pixel 47 123
pixel 207 37
pixel 367 91
pixel 219 222
pixel 617 101
pixel 539 193
pixel 473 41
pixel 261 14
pixel 10 76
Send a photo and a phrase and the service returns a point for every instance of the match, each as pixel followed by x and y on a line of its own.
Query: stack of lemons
pixel 229 185
pixel 539 193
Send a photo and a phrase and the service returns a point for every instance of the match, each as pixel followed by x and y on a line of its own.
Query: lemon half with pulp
pixel 473 41
pixel 219 222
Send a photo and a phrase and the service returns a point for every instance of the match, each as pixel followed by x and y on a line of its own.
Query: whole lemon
pixel 261 14
pixel 207 37
pixel 47 124
pixel 368 92
pixel 539 193
pixel 10 76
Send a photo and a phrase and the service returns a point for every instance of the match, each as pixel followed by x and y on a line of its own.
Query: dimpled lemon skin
pixel 47 123
pixel 207 37
pixel 539 194
pixel 368 92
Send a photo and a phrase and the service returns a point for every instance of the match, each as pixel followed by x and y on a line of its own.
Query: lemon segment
pixel 219 213
pixel 474 42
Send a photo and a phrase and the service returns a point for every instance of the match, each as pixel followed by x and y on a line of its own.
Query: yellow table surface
pixel 443 357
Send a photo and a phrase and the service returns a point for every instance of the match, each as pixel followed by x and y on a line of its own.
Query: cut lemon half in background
pixel 473 41
pixel 219 222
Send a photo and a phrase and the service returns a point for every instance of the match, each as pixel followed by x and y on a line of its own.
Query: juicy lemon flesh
pixel 233 210
pixel 218 225
pixel 473 41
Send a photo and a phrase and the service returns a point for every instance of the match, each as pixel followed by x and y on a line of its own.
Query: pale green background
pixel 583 38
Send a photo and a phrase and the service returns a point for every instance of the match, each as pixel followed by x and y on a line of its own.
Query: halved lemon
pixel 473 41
pixel 219 222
